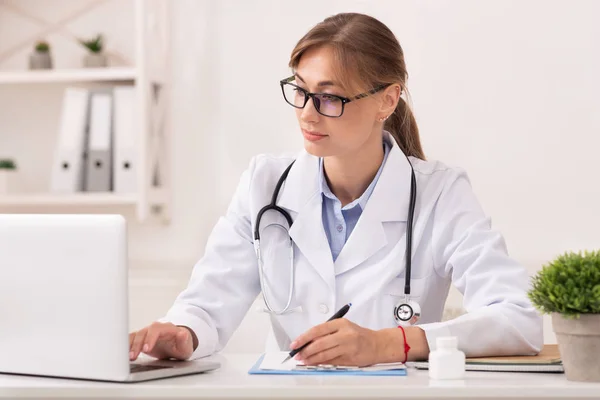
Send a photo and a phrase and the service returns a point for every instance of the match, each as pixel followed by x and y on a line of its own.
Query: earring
pixel 382 118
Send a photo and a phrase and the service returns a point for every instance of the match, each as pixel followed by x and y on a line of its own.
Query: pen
pixel 339 314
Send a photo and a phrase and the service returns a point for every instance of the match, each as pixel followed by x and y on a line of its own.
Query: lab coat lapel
pixel 301 197
pixel 389 201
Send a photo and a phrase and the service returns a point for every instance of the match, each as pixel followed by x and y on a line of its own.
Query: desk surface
pixel 232 381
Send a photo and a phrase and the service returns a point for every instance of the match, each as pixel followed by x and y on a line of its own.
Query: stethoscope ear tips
pixel 407 312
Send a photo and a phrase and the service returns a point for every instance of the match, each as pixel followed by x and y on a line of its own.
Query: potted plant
pixel 40 58
pixel 568 288
pixel 95 57
pixel 8 170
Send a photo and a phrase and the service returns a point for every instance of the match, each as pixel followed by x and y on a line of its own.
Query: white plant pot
pixel 38 60
pixel 579 346
pixel 7 181
pixel 95 60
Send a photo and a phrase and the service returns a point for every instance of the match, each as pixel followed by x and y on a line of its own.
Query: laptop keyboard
pixel 133 368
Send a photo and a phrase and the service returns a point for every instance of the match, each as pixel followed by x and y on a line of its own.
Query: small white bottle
pixel 447 362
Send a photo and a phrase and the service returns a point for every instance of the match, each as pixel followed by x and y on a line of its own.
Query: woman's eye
pixel 329 99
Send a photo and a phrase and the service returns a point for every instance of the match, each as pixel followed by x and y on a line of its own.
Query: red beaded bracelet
pixel 406 346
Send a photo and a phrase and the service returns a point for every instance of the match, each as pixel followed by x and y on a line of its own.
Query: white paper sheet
pixel 272 361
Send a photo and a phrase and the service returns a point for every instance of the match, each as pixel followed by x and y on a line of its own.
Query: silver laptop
pixel 64 301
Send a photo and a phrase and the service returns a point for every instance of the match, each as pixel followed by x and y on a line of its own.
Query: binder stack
pixel 96 147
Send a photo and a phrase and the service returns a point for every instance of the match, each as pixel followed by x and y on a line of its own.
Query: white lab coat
pixel 453 243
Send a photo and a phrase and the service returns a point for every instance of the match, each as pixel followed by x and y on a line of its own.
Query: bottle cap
pixel 447 342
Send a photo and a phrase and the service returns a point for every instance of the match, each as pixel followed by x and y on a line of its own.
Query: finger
pixel 318 345
pixel 325 357
pixel 315 332
pixel 156 333
pixel 138 341
pixel 131 337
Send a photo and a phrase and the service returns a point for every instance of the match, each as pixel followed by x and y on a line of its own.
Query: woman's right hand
pixel 162 341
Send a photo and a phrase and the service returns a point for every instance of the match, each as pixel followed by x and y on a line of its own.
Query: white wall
pixel 506 89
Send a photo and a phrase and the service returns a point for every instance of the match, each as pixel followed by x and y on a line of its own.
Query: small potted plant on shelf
pixel 8 170
pixel 568 288
pixel 41 58
pixel 95 57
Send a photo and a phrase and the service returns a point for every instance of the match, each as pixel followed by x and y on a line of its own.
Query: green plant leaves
pixel 7 164
pixel 569 285
pixel 94 45
pixel 42 47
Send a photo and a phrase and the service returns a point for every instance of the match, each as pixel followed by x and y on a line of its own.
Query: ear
pixel 389 100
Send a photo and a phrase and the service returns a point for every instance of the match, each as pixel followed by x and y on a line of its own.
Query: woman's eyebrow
pixel 320 84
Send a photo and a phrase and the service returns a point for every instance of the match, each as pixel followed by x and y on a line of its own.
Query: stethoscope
pixel 406 312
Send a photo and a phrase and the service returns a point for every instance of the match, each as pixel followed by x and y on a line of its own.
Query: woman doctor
pixel 348 195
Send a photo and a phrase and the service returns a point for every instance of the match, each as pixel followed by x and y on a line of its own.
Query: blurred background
pixel 506 89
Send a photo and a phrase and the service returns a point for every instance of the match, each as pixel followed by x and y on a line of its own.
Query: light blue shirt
pixel 339 221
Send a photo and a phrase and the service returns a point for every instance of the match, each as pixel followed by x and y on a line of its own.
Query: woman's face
pixel 325 136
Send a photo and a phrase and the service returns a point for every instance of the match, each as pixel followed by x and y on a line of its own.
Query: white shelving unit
pixel 109 74
pixel 68 200
pixel 148 74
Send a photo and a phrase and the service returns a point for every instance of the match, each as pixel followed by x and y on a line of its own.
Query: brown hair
pixel 367 54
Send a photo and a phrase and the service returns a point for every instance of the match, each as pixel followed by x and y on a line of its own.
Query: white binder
pixel 125 165
pixel 68 166
pixel 99 157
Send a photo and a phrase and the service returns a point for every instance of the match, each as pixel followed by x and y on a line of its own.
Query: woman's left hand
pixel 338 342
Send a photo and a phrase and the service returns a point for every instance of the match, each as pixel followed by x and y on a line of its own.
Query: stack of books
pixel 548 360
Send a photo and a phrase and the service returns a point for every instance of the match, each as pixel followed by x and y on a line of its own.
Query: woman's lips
pixel 313 136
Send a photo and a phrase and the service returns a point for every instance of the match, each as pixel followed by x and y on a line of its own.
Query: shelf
pixel 109 74
pixel 139 55
pixel 80 199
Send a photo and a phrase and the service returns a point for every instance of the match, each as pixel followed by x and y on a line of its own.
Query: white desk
pixel 232 381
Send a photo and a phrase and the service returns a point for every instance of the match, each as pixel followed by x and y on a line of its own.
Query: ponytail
pixel 403 127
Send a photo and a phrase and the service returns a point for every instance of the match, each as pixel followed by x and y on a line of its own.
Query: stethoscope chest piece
pixel 407 312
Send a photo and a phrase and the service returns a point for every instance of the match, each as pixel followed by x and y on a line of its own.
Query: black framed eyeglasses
pixel 327 104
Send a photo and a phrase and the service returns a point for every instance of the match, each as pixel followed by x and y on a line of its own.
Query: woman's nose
pixel 309 113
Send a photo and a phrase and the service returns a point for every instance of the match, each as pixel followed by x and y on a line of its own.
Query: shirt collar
pixel 362 200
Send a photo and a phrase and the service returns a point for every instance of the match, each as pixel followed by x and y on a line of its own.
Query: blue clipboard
pixel 255 370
